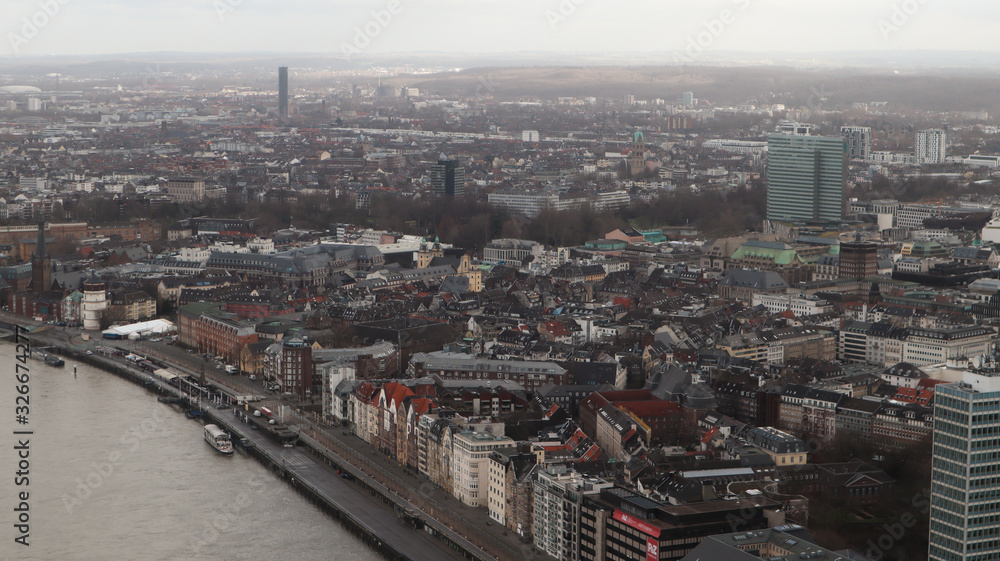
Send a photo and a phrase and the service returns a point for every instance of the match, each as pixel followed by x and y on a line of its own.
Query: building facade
pixel 805 178
pixel 965 472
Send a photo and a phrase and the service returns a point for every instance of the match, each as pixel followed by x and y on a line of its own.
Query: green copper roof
pixel 779 256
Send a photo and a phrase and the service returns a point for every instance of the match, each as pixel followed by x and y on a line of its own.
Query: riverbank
pixel 395 528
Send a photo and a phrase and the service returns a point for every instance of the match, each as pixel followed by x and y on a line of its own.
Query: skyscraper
pixel 283 92
pixel 447 177
pixel 965 472
pixel 932 146
pixel 805 178
pixel 859 142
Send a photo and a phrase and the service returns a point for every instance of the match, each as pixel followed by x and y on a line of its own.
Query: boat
pixel 47 358
pixel 218 439
pixel 194 413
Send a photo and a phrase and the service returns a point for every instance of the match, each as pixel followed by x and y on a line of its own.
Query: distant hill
pixel 938 90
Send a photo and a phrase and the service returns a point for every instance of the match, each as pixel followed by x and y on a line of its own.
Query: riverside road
pixel 462 524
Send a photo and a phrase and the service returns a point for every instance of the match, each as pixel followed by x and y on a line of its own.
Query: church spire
pixel 40 244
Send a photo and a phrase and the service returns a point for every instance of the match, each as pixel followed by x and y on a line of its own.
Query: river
pixel 116 475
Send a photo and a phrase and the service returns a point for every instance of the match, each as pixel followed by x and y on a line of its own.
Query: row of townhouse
pixel 824 415
pixel 406 425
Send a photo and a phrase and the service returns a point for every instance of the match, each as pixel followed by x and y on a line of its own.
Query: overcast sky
pixel 490 26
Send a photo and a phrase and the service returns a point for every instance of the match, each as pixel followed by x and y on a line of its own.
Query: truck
pixel 266 412
pixel 230 369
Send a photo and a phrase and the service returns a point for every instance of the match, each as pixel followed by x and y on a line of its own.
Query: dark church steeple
pixel 41 265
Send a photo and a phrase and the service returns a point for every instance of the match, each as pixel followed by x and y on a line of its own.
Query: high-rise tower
pixel 805 178
pixel 932 146
pixel 447 177
pixel 964 471
pixel 283 92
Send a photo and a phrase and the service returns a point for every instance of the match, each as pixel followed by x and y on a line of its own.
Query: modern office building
pixel 448 177
pixel 932 146
pixel 859 142
pixel 805 178
pixel 858 260
pixel 283 92
pixel 964 472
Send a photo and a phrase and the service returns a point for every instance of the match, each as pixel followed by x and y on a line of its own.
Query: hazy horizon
pixel 685 32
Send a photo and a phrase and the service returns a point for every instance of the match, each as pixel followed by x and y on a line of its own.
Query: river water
pixel 116 475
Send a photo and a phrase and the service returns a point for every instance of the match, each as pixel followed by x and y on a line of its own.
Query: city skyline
pixel 683 31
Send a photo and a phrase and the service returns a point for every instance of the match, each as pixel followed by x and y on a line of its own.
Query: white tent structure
pixel 139 330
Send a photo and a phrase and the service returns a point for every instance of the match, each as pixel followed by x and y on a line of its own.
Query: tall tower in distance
pixel 282 92
pixel 964 470
pixel 932 146
pixel 637 158
pixel 41 265
pixel 805 178
pixel 447 177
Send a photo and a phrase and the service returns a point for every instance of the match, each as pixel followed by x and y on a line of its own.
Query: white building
pixel 527 203
pixel 95 301
pixel 931 147
pixel 529 136
pixel 32 183
pixel 736 146
pixel 935 346
pixel 507 251
pixel 470 465
pixel 799 305
pixel 194 254
pixel 263 246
